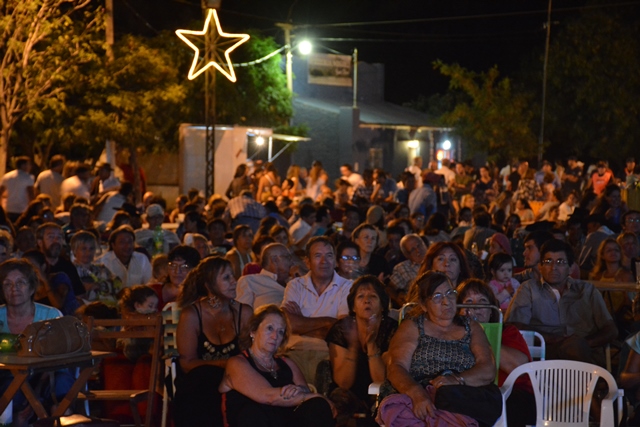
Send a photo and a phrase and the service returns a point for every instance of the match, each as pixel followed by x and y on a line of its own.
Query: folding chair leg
pixel 165 407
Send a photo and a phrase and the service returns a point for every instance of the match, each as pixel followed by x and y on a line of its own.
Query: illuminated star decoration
pixel 223 65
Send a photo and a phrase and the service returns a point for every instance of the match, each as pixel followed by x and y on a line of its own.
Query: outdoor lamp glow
pixel 414 143
pixel 259 140
pixel 305 47
pixel 446 144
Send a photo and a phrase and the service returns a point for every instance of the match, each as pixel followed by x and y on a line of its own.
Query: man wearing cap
pixel 78 184
pixel 105 181
pixel 145 237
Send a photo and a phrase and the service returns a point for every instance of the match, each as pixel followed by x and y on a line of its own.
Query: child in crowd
pixel 503 285
pixel 135 301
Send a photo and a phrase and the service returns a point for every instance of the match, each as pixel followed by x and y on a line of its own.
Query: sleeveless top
pixel 210 351
pixel 233 401
pixel 434 355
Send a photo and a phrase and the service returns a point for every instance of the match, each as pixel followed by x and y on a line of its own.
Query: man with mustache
pixel 50 240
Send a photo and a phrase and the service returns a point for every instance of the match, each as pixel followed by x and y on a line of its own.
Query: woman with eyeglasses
pixel 348 260
pixel 356 344
pixel 440 364
pixel 19 280
pixel 182 259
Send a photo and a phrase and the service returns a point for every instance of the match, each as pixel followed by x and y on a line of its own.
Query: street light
pixel 305 47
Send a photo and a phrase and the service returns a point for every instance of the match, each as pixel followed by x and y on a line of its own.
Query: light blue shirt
pixel 43 312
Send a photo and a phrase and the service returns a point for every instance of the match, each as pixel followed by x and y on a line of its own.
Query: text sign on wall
pixel 331 70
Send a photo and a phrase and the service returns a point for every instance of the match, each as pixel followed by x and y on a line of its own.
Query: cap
pixel 154 210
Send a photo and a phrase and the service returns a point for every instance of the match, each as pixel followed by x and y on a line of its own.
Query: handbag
pixel 483 403
pixel 54 337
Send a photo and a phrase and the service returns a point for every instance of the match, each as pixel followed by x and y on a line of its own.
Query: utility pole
pixel 544 87
pixel 210 101
pixel 289 55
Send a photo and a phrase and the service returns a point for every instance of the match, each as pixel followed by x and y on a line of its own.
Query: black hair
pixel 497 260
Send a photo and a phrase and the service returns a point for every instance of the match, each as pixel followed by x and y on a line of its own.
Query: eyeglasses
pixel 182 268
pixel 350 258
pixel 560 262
pixel 633 220
pixel 18 284
pixel 439 297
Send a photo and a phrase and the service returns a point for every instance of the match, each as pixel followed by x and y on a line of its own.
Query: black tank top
pixel 210 351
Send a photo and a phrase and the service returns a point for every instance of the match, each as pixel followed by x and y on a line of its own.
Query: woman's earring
pixel 252 338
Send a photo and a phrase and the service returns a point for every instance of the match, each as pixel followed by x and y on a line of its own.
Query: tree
pixel 494 119
pixel 594 86
pixel 42 45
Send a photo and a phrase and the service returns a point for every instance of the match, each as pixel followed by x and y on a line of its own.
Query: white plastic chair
pixel 563 390
pixel 538 352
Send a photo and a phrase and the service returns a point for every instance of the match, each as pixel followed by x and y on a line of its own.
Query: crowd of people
pixel 284 276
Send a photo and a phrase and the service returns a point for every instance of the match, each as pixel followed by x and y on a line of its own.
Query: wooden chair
pixel 109 329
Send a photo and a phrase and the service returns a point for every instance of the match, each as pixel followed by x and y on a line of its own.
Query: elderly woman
pixel 513 351
pixel 100 283
pixel 182 259
pixel 19 279
pixel 448 258
pixel 207 336
pixel 264 389
pixel 366 237
pixel 356 344
pixel 440 363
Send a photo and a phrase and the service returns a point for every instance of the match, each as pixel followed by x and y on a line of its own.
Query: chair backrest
pixel 563 390
pixel 404 309
pixel 539 351
pixel 493 331
pixel 140 327
pixel 170 316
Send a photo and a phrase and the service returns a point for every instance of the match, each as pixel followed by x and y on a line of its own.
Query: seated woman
pixel 366 236
pixel 521 405
pixel 240 255
pixel 440 363
pixel 207 336
pixel 264 389
pixel 356 343
pixel 19 279
pixel 447 258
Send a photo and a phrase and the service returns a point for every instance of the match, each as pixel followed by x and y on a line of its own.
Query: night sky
pixel 477 34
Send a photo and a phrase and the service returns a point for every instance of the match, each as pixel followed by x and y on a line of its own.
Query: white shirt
pixel 48 182
pixel 565 211
pixel 113 202
pixel 449 175
pixel 74 185
pixel 138 273
pixel 298 230
pixel 110 184
pixel 16 183
pixel 331 303
pixel 260 289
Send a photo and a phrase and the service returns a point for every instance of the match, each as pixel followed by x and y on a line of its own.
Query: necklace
pixel 272 371
pixel 214 302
